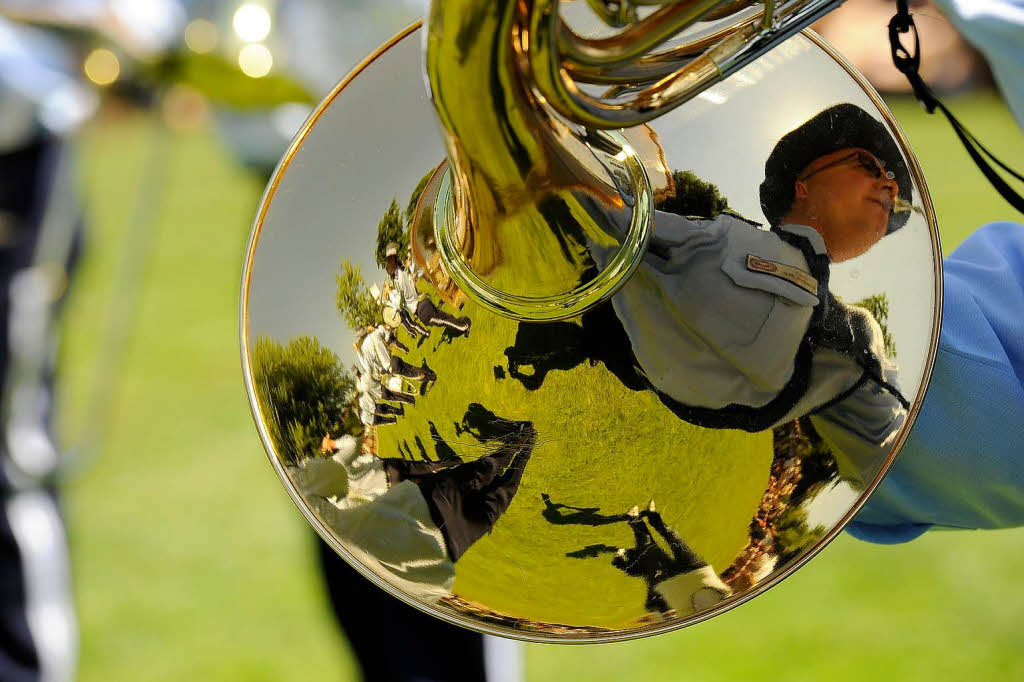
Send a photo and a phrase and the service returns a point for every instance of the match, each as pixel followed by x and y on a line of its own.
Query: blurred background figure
pixel 48 56
pixel 42 105
pixel 256 69
pixel 859 30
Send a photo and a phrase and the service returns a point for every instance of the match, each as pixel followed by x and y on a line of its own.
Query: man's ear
pixel 800 190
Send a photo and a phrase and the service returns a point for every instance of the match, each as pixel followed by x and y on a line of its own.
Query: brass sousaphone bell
pixel 577 369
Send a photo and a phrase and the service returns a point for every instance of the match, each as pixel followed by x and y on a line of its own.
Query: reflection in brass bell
pixel 555 379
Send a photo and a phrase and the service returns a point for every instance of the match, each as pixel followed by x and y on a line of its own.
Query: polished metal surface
pixel 549 480
pixel 527 143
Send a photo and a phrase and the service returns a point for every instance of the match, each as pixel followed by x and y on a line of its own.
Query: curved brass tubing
pixel 657 65
pixel 564 95
pixel 519 132
pixel 515 223
pixel 661 86
pixel 633 41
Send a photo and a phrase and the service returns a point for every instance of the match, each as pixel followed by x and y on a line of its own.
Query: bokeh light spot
pixel 251 22
pixel 102 66
pixel 201 36
pixel 255 60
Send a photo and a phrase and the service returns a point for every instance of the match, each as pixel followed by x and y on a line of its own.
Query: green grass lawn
pixel 191 563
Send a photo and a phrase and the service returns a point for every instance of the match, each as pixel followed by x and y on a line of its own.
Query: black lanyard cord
pixel 908 64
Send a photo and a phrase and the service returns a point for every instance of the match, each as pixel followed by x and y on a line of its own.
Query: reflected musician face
pixel 848 197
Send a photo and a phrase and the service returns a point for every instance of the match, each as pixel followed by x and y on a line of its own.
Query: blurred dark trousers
pixel 392 641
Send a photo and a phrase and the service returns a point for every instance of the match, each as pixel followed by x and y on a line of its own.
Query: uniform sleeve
pixel 861 430
pixel 963 464
pixel 322 477
pixel 708 330
pixel 406 287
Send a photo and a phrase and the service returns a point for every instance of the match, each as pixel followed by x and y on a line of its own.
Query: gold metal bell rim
pixel 529 635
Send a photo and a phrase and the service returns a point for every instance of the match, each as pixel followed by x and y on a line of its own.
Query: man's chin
pixel 855 251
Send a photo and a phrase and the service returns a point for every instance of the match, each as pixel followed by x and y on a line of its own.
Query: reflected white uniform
pixel 347 478
pixel 405 288
pixel 368 385
pixel 374 352
pixel 389 530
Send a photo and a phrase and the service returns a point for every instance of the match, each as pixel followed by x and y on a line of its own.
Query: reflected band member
pixel 367 383
pixel 373 352
pixel 414 519
pixel 412 302
pixel 735 326
pixel 372 413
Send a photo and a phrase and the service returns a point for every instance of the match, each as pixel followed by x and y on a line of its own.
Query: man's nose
pixel 890 184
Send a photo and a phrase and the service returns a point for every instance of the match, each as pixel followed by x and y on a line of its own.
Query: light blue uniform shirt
pixel 963 463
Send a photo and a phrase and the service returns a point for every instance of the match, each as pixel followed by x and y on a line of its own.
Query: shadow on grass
pixel 584 516
pixel 598 338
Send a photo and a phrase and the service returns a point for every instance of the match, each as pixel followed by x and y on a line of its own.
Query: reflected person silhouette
pixel 677 581
pixel 598 339
pixel 412 520
pixel 485 426
pixel 544 347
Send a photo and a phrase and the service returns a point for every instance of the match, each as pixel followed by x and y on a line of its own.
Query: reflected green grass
pixel 598 445
pixel 191 562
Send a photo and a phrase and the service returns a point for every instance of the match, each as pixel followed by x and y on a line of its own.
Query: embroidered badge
pixel 781 270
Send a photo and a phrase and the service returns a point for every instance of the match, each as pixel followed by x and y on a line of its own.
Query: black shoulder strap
pixel 908 63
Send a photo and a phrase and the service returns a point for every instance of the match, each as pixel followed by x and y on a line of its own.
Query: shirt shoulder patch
pixel 791 274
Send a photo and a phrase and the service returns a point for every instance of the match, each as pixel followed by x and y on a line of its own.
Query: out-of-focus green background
pixel 190 562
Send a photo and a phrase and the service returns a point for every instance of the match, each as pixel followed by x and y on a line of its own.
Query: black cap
pixel 838 127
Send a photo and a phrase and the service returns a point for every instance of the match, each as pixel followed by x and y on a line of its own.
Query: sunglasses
pixel 866 161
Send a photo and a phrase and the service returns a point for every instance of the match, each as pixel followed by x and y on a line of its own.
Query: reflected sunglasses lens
pixel 875 166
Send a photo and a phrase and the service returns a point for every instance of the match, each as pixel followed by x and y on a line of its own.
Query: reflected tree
pixel 410 208
pixel 793 535
pixel 302 392
pixel 393 228
pixel 878 306
pixel 356 304
pixel 693 197
pixel 818 466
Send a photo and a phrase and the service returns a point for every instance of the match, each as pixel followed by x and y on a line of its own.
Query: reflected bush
pixel 303 392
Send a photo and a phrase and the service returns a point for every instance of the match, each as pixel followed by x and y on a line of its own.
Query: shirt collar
pixel 810 234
